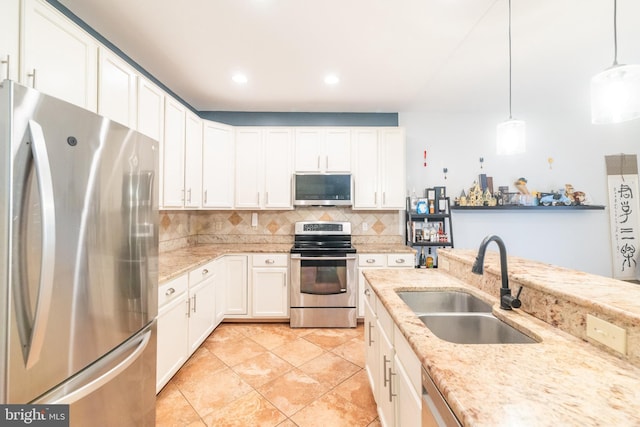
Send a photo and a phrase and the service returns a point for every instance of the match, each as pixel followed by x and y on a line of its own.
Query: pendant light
pixel 511 133
pixel 615 92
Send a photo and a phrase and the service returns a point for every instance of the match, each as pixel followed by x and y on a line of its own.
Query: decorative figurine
pixel 521 185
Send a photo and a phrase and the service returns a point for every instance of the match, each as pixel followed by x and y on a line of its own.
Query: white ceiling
pixel 391 55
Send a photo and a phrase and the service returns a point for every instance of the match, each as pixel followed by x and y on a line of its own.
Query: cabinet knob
pixel 400 261
pixel 269 261
pixel 205 272
pixel 367 292
pixel 371 261
pixel 170 291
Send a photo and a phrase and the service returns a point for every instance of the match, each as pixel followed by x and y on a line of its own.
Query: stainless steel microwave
pixel 322 189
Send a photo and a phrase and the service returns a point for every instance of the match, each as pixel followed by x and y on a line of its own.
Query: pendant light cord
pixel 510 117
pixel 615 32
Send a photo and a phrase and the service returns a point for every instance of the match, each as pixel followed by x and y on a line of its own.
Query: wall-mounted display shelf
pixel 533 208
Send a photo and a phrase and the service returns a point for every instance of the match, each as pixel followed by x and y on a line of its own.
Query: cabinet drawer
pixel 270 260
pixel 201 273
pixel 169 291
pixel 401 260
pixel 372 260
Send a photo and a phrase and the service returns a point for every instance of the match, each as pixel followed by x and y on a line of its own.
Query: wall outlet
pixel 365 226
pixel 607 333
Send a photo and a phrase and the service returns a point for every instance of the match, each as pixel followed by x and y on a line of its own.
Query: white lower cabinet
pixel 370 261
pixel 270 285
pixel 202 304
pixel 234 269
pixel 173 326
pixel 189 308
pixel 392 367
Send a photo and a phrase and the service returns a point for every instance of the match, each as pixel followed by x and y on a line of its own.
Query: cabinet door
pixel 386 393
pixel 278 172
pixel 173 154
pixel 150 109
pixel 248 168
pixel 235 279
pixel 308 150
pixel 9 39
pixel 392 168
pixel 57 57
pixel 372 347
pixel 221 292
pixel 218 159
pixel 117 92
pixel 193 162
pixel 365 171
pixel 202 312
pixel 173 327
pixel 337 145
pixel 408 403
pixel 270 292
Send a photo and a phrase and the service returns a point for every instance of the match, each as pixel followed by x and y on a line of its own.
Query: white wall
pixel 574 239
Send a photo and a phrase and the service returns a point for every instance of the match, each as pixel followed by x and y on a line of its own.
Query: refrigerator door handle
pixel 68 394
pixel 33 331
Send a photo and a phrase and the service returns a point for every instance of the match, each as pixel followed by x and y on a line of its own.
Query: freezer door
pixel 118 390
pixel 83 238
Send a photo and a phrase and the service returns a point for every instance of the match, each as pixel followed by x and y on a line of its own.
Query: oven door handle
pixel 327 258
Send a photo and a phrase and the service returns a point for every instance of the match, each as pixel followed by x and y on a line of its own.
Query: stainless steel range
pixel 323 275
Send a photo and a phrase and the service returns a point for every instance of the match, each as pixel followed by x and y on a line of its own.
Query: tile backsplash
pixel 185 228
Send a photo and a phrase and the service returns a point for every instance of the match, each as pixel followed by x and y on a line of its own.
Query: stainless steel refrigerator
pixel 78 261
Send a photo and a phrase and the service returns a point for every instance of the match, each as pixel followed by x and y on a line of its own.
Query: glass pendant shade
pixel 511 137
pixel 615 94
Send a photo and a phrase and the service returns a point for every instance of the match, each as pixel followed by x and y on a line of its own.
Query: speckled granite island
pixel 563 380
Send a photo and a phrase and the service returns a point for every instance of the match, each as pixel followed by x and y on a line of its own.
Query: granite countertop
pixel 559 381
pixel 178 261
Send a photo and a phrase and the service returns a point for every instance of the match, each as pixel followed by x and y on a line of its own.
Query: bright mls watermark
pixel 34 415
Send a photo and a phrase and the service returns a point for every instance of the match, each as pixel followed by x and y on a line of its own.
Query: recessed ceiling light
pixel 331 79
pixel 240 78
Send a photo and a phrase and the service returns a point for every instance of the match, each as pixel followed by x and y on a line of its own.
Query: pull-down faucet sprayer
pixel 507 301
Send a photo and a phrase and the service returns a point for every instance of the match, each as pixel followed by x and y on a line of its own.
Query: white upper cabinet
pixel 249 168
pixel 218 160
pixel 278 163
pixel 173 149
pixel 57 57
pixel 323 150
pixel 379 168
pixel 9 39
pixel 117 89
pixel 392 167
pixel 193 161
pixel 150 109
pixel 263 168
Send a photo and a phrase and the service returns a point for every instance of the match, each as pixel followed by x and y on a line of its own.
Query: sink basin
pixel 425 302
pixel 476 328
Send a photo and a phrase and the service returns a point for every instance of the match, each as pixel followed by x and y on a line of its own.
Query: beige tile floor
pixel 267 374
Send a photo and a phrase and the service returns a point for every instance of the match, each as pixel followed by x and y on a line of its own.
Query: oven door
pixel 323 281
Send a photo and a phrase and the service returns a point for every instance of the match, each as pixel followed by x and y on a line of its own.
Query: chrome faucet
pixel 507 301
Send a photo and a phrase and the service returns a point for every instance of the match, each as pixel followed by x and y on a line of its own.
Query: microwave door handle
pixel 32 332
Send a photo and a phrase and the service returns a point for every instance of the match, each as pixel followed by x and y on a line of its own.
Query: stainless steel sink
pixel 425 302
pixel 476 328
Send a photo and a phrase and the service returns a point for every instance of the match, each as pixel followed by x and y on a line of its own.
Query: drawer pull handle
pixel 170 291
pixel 370 340
pixel 400 261
pixel 205 272
pixel 269 261
pixel 371 261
